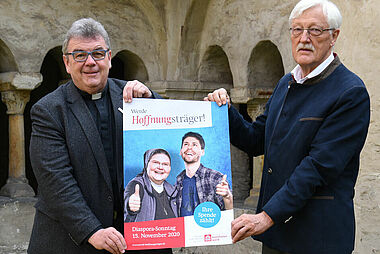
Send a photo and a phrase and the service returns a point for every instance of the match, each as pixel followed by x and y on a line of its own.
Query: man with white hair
pixel 311 133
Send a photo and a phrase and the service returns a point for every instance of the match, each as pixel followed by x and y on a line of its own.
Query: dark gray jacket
pixel 75 194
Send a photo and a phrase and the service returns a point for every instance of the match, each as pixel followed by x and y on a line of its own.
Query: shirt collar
pixel 158 187
pixel 297 72
pixel 96 96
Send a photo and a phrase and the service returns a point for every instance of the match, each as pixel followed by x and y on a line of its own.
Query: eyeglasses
pixel 314 31
pixel 81 56
pixel 163 164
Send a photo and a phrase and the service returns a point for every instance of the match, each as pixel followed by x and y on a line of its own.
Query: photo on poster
pixel 177 174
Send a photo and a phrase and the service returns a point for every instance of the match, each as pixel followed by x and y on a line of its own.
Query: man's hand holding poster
pixel 177 174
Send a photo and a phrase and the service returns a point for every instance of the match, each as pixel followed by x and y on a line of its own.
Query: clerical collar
pixel 96 96
pixel 158 187
pixel 93 97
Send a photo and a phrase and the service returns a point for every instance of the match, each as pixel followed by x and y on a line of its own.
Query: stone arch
pixel 191 34
pixel 128 66
pixel 154 12
pixel 215 68
pixel 7 60
pixel 265 66
pixel 7 64
pixel 54 73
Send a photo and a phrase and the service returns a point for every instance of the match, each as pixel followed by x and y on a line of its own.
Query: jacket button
pixel 270 170
pixel 109 198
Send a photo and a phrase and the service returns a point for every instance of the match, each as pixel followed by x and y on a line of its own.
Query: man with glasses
pixel 311 133
pixel 76 150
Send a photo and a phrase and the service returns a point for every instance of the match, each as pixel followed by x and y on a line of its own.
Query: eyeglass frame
pixel 301 30
pixel 162 164
pixel 87 54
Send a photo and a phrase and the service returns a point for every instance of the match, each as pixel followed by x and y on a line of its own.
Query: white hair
pixel 330 10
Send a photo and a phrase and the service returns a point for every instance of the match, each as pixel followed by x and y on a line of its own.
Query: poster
pixel 177 174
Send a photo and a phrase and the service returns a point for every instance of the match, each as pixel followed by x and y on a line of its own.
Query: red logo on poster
pixel 207 238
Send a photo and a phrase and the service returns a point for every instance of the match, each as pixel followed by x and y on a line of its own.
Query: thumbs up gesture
pixel 135 200
pixel 222 188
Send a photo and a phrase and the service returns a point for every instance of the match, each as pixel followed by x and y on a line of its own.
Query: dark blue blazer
pixel 311 136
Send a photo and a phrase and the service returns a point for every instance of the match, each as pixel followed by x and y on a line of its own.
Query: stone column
pixel 255 98
pixel 255 108
pixel 17 184
pixel 15 89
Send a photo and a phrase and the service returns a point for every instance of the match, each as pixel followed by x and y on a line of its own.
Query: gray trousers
pixel 267 250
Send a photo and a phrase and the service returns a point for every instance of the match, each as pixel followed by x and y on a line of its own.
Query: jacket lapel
pixel 116 94
pixel 83 115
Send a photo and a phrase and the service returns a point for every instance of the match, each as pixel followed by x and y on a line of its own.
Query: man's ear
pixel 66 62
pixel 109 55
pixel 202 152
pixel 335 35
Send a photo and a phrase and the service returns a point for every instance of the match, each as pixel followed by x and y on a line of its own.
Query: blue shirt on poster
pixel 189 196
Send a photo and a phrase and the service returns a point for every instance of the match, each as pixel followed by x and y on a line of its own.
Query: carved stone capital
pixel 256 107
pixel 15 101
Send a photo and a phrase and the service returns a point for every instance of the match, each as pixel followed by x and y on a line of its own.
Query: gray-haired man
pixel 311 133
pixel 76 150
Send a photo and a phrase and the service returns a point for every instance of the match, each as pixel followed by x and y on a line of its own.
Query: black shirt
pixel 163 208
pixel 102 113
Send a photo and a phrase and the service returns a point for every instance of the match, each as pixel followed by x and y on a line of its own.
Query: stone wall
pixel 358 46
pixel 186 48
